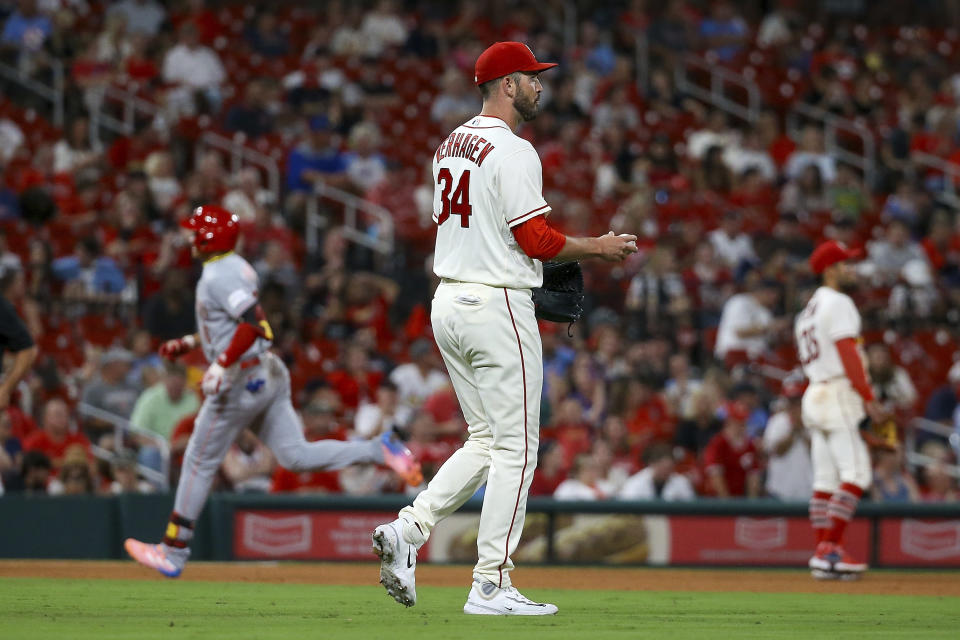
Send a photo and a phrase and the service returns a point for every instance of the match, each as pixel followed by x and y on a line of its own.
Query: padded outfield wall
pixel 266 527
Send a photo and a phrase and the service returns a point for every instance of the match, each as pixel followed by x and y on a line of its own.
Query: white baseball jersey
pixel 488 180
pixel 829 316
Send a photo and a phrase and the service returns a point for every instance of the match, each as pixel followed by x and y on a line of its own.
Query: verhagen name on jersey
pixel 486 181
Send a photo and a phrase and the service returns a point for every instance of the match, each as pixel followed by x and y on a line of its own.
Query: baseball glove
pixel 560 299
pixel 881 435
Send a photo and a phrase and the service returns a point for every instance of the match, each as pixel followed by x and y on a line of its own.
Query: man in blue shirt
pixel 318 159
pixel 724 32
pixel 26 29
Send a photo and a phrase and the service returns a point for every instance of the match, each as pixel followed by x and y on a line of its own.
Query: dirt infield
pixel 634 579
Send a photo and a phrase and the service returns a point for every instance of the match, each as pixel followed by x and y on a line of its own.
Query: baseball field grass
pixel 102 609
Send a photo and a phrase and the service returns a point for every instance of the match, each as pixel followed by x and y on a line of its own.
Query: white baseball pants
pixel 832 411
pixel 490 342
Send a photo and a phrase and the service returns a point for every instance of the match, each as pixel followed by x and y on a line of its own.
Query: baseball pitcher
pixel 245 386
pixel 491 238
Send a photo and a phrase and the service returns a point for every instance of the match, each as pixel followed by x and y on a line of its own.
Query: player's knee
pixel 860 476
pixel 292 458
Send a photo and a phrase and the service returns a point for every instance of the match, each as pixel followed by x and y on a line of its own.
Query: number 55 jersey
pixel 828 317
pixel 486 181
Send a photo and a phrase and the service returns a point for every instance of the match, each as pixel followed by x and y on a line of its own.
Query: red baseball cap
pixel 829 253
pixel 503 58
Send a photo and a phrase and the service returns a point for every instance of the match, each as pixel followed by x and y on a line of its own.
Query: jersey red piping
pixel 528 213
pixel 523 472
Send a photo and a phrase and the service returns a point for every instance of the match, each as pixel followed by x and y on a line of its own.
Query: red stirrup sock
pixel 842 506
pixel 819 519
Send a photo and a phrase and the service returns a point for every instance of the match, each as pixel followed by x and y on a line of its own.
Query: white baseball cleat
pixel 398 562
pixel 486 599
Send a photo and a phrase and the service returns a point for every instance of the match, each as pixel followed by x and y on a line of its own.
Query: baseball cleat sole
pixel 394 586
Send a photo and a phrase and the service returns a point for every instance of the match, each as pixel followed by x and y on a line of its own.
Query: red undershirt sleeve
pixel 243 339
pixel 853 365
pixel 538 239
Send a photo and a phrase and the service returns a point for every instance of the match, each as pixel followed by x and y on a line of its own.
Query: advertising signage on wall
pixel 609 539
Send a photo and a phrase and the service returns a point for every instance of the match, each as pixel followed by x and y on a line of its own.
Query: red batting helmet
pixel 214 228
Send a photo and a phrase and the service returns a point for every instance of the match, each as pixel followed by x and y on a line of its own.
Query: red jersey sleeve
pixel 538 239
pixel 853 366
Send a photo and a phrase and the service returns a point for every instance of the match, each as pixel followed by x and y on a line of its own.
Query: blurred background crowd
pixel 731 137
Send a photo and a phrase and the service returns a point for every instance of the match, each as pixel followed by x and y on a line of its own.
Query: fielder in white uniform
pixel 490 214
pixel 837 399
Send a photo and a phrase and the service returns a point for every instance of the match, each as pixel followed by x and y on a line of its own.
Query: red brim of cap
pixel 188 223
pixel 540 66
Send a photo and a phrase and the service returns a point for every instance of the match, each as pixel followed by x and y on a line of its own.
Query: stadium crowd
pixel 676 383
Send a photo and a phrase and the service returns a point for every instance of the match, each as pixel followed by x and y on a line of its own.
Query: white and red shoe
pixel 844 562
pixel 152 556
pixel 822 559
pixel 831 557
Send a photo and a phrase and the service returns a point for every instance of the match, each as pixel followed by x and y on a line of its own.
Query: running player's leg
pixel 510 384
pixel 466 470
pixel 282 432
pixel 220 420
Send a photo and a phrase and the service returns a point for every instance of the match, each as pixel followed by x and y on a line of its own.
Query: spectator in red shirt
pixel 650 419
pixel 551 470
pixel 54 437
pixel 355 381
pixel 730 460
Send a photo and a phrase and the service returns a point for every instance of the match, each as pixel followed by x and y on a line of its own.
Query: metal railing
pixel 378 235
pixel 121 427
pixel 951 174
pixel 915 459
pixel 241 155
pixel 866 160
pixel 716 95
pixel 51 93
pixel 641 55
pixel 131 105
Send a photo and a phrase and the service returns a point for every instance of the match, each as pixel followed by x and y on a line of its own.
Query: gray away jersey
pixel 227 288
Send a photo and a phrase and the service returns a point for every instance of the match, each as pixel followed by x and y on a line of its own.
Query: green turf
pixel 105 609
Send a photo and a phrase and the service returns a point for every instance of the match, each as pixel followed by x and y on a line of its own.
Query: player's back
pixel 486 180
pixel 828 317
